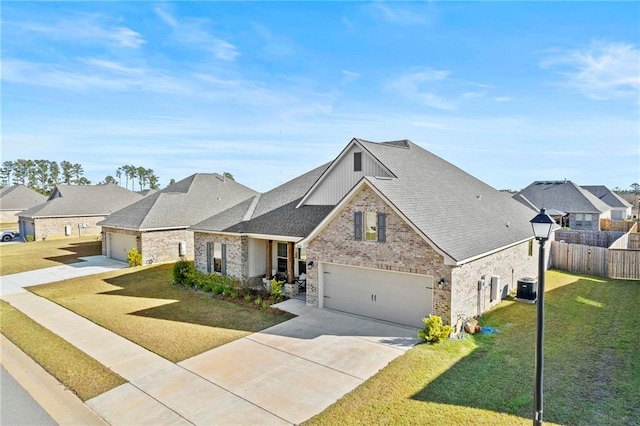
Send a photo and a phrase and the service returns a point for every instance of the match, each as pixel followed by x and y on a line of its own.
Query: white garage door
pixel 390 296
pixel 119 245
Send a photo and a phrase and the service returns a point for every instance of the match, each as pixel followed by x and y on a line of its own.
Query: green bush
pixel 183 273
pixel 247 298
pixel 30 238
pixel 258 301
pixel 134 257
pixel 276 289
pixel 434 330
pixel 264 305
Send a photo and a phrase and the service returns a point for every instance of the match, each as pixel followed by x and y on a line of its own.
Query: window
pixel 530 247
pixel 357 161
pixel 374 226
pixel 302 261
pixel 282 257
pixel 579 219
pixel 587 220
pixel 216 258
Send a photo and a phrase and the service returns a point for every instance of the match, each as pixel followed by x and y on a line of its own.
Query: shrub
pixel 134 257
pixel 276 289
pixel 247 298
pixel 183 272
pixel 264 305
pixel 30 238
pixel 258 301
pixel 434 331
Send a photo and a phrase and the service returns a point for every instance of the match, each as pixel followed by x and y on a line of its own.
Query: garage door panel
pixel 386 295
pixel 120 244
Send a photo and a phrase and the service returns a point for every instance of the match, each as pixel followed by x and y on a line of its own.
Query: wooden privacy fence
pixel 600 261
pixel 616 225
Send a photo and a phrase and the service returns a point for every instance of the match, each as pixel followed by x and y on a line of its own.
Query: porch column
pixel 290 264
pixel 269 255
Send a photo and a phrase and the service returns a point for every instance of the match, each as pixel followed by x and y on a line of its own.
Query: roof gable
pixel 182 204
pixel 340 176
pixel 20 197
pixel 83 200
pixel 456 213
pixel 565 196
pixel 607 196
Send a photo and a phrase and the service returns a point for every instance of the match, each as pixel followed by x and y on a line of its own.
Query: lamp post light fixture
pixel 542 225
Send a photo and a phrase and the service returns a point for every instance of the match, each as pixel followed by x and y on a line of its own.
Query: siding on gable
pixel 342 178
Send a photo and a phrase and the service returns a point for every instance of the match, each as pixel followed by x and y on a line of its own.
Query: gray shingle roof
pixel 607 196
pixel 182 204
pixel 83 200
pixel 458 213
pixel 274 212
pixel 19 197
pixel 565 196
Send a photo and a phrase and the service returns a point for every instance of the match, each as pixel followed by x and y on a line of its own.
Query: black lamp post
pixel 542 225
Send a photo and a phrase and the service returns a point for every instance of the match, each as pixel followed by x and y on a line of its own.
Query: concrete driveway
pixel 283 375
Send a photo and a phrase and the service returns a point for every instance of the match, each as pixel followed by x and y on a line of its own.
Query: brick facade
pixel 406 251
pixel 509 264
pixel 237 253
pixel 403 251
pixel 54 227
pixel 9 216
pixel 156 246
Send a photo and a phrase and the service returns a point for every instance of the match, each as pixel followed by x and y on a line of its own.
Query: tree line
pixel 44 175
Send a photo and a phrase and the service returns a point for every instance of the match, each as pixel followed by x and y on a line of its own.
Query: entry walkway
pixel 283 375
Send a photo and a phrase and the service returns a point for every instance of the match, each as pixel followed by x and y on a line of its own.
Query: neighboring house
pixel 16 199
pixel 157 225
pixel 257 237
pixel 620 208
pixel 583 210
pixel 74 211
pixel 387 230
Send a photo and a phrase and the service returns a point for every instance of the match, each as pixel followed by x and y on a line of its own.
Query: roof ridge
pixel 252 208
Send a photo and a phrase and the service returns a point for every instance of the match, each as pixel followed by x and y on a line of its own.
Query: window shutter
pixel 382 227
pixel 357 226
pixel 209 257
pixel 224 259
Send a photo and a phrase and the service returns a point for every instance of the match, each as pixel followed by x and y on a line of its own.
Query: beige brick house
pixel 73 211
pixel 16 199
pixel 387 230
pixel 157 225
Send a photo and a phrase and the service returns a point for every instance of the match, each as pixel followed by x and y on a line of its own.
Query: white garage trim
pixel 398 297
pixel 118 245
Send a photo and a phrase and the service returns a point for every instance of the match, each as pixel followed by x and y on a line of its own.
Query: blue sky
pixel 511 92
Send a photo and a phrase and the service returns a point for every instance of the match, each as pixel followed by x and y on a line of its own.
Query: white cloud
pixel 403 16
pixel 601 70
pixel 83 28
pixel 419 86
pixel 166 17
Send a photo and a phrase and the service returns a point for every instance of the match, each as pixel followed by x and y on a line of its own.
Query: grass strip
pixel 22 257
pixel 76 370
pixel 141 305
pixel 591 374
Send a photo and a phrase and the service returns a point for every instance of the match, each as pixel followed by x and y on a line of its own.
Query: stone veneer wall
pixel 404 250
pixel 53 228
pixel 164 246
pixel 237 253
pixel 509 264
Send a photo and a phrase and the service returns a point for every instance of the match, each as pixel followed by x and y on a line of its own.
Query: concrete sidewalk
pixel 15 283
pixel 282 375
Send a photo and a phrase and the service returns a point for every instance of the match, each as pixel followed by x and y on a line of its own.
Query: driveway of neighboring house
pixel 282 375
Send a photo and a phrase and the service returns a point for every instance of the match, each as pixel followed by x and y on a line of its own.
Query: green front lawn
pixel 23 257
pixel 143 306
pixel 80 373
pixel 591 375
